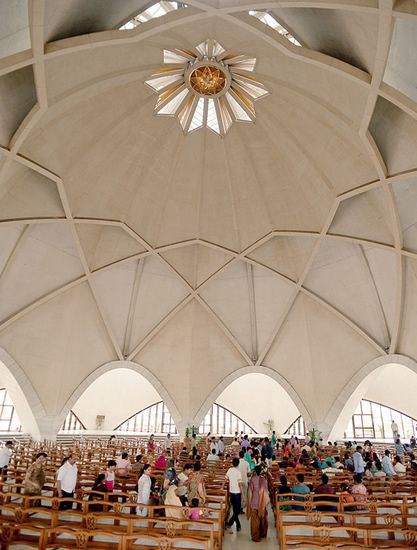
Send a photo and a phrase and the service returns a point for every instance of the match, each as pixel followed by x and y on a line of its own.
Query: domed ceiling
pixel 289 243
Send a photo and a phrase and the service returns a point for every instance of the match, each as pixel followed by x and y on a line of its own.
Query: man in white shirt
pixel 220 445
pixel 234 477
pixel 144 491
pixel 244 470
pixel 394 428
pixel 214 445
pixel 213 457
pixel 358 461
pixel 5 455
pixel 66 481
pixel 182 490
pixel 168 443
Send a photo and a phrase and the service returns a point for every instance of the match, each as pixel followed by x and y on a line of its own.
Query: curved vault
pixel 288 244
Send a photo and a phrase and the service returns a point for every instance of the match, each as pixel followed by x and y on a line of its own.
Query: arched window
pixel 153 419
pixel 72 423
pixel 9 421
pixel 297 428
pixel 222 421
pixel 372 420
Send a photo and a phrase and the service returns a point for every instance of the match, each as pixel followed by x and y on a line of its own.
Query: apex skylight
pixel 207 87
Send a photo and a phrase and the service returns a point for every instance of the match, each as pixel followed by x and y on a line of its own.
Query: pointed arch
pixel 345 404
pixel 25 399
pixel 107 367
pixel 283 382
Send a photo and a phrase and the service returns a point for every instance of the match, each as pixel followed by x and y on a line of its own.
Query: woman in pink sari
pixel 256 509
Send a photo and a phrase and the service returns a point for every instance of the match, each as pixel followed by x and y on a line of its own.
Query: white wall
pixel 257 398
pixel 395 387
pixel 118 394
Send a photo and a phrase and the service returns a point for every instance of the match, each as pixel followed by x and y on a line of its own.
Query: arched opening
pixel 150 420
pixel 220 420
pixel 257 399
pixel 116 400
pixel 20 397
pixel 391 387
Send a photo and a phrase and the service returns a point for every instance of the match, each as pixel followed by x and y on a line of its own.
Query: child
pixel 347 497
pixel 195 513
pixel 110 475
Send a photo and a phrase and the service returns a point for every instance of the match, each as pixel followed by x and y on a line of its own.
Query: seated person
pixel 399 467
pixel 359 490
pixel 123 465
pixel 325 489
pixel 213 457
pixel 161 462
pixel 300 488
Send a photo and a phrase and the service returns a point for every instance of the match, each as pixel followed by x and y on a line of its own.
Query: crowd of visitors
pixel 248 477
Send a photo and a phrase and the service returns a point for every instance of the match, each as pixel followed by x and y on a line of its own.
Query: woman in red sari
pixel 257 506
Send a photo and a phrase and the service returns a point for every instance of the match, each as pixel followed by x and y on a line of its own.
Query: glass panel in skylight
pixel 242 62
pixel 203 48
pixel 156 10
pixel 163 80
pixel 186 110
pixel 244 100
pixel 212 121
pixel 237 109
pixel 175 57
pixel 250 88
pixel 172 106
pixel 164 96
pixel 198 116
pixel 269 20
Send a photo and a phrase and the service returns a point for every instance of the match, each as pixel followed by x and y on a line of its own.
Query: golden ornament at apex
pixel 207 87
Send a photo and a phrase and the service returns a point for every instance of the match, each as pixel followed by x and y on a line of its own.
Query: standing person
pixel 399 447
pixel 5 456
pixel 235 493
pixel 196 486
pixel 358 461
pixel 151 444
pixel 168 443
pixel 66 481
pixel 244 470
pixel 213 445
pixel 258 500
pixel 137 466
pixel 274 438
pixel 172 499
pixel 183 483
pixel 144 491
pixel 394 429
pixel 269 452
pixel 387 464
pixel 110 475
pixel 35 477
pixel 245 443
pixel 220 445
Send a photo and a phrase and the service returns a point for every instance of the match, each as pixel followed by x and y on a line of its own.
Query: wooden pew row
pixel 29 536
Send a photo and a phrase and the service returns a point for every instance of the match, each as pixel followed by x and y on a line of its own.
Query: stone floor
pixel 242 540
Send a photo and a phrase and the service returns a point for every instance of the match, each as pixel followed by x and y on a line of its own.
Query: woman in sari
pixel 196 487
pixel 258 500
pixel 172 499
